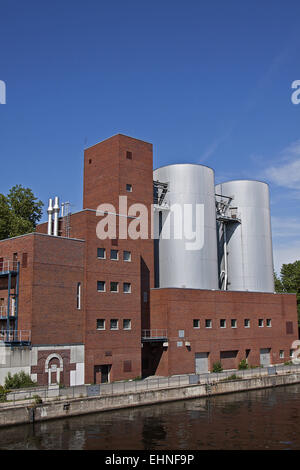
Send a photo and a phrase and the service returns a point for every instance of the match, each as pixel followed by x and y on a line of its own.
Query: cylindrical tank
pixel 184 259
pixel 249 244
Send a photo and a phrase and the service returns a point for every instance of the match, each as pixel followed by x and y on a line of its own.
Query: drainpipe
pixel 225 257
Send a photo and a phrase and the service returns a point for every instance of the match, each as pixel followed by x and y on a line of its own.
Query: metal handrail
pixel 15 336
pixel 7 265
pixel 154 333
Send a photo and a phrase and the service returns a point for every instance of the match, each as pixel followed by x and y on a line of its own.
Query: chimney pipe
pixel 56 212
pixel 50 211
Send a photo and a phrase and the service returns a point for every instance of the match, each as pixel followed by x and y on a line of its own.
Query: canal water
pixel 261 419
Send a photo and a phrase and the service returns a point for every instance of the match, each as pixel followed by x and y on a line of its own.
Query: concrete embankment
pixel 29 412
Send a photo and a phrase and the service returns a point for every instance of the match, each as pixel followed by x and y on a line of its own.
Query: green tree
pixel 289 281
pixel 20 212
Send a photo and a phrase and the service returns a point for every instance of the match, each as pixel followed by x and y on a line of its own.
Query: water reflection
pixel 261 419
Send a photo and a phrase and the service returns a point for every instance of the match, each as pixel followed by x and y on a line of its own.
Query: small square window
pixel 260 322
pixel 208 323
pixel 127 324
pixel 126 287
pixel 101 286
pixel 222 323
pixel 114 255
pixel 233 323
pixel 281 354
pixel 114 324
pixel 181 333
pixel 101 253
pixel 126 255
pixel 114 286
pixel 129 188
pixel 247 323
pixel 100 324
pixel 269 322
pixel 196 323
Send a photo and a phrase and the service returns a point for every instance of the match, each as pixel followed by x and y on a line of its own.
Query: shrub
pixel 2 394
pixel 217 367
pixel 243 365
pixel 37 399
pixel 18 380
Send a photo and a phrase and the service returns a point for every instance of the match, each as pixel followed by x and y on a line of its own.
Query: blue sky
pixel 204 81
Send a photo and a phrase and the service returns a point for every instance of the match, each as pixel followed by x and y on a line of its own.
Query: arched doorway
pixel 54 367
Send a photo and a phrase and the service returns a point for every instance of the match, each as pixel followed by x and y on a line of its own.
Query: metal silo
pixel 185 207
pixel 247 260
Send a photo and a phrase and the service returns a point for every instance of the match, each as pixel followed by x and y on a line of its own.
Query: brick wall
pixel 176 310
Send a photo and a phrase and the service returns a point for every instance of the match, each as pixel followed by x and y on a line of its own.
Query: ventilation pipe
pixel 56 214
pixel 50 212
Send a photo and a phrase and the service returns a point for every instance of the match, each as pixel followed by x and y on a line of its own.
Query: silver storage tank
pixel 180 261
pixel 249 244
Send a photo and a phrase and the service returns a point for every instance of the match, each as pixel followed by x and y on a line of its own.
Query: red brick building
pixel 75 308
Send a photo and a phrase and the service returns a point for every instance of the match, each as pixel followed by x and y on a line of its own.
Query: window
pixel 101 286
pixel 129 155
pixel 114 324
pixel 129 188
pixel 181 333
pixel 233 323
pixel 269 322
pixel 291 353
pixel 126 287
pixel 126 324
pixel 196 323
pixel 114 286
pixel 145 297
pixel 127 255
pixel 114 254
pixel 127 366
pixel 24 260
pixel 281 354
pixel 101 253
pixel 114 241
pixel 222 323
pixel 100 324
pixel 247 323
pixel 79 295
pixel 260 322
pixel 289 327
pixel 208 323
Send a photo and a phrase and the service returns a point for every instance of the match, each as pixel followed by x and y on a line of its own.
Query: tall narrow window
pixel 79 295
pixel 24 260
pixel 129 155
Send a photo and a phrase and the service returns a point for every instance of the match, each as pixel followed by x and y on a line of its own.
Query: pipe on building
pixel 56 214
pixel 50 212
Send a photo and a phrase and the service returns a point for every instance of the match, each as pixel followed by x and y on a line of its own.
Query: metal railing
pixel 7 265
pixel 3 311
pixel 15 336
pixel 155 333
pixel 134 386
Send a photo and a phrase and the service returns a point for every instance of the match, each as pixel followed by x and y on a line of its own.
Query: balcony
pixel 8 266
pixel 15 337
pixel 3 311
pixel 156 334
